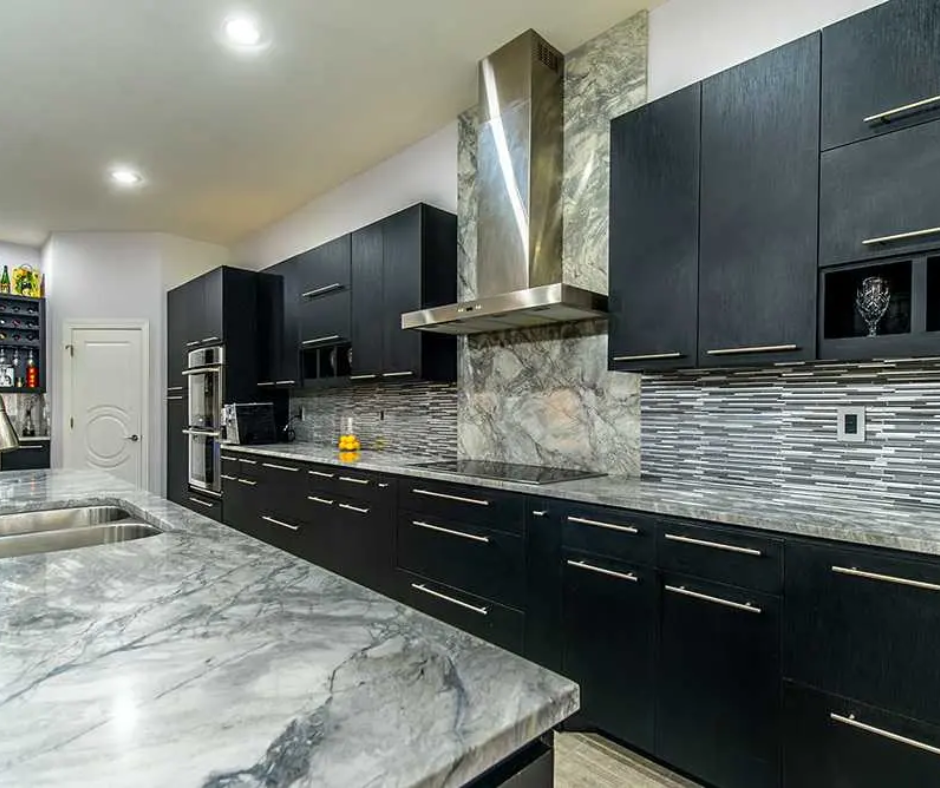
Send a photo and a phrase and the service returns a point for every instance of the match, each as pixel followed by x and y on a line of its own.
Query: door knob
pixel 134 438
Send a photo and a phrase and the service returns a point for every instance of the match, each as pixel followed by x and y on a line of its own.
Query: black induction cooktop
pixel 508 472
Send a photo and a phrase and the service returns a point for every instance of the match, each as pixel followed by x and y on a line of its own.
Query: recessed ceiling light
pixel 126 176
pixel 242 31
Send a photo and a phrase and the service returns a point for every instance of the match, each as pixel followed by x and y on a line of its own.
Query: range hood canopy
pixel 520 160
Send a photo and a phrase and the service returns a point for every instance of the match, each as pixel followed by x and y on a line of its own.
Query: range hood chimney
pixel 520 159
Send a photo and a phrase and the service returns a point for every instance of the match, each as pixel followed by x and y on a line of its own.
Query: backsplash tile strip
pixel 777 427
pixel 407 418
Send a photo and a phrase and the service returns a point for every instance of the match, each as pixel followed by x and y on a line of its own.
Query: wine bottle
pixel 5 281
pixel 32 373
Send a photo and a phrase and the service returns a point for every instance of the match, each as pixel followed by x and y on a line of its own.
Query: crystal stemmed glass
pixel 872 301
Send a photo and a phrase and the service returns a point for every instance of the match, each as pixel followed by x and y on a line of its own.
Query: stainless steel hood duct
pixel 520 159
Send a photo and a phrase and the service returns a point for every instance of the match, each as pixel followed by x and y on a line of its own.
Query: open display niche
pixel 326 366
pixel 910 325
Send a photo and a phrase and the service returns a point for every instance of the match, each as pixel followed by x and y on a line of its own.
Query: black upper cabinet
pixel 368 328
pixel 759 209
pixel 876 65
pixel 177 305
pixel 654 234
pixel 406 262
pixel 270 327
pixel 323 276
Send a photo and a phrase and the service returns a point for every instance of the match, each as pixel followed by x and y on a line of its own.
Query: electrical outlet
pixel 852 425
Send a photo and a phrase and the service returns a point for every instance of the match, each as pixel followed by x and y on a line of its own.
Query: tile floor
pixel 585 760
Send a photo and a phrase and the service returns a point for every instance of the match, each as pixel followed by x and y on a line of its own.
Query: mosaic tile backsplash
pixel 407 418
pixel 778 427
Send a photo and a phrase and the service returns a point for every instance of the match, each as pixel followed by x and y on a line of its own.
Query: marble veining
pixel 842 515
pixel 204 658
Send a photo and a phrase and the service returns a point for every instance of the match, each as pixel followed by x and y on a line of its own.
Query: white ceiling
pixel 230 143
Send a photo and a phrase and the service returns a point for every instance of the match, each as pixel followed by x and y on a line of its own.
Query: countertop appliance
pixel 509 472
pixel 249 423
pixel 205 373
pixel 520 162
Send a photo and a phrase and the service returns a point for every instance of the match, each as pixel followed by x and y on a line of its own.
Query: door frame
pixel 68 326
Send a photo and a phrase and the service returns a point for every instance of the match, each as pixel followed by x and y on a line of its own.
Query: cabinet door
pixel 270 327
pixel 543 607
pixel 654 218
pixel 289 367
pixel 324 320
pixel 833 742
pixel 368 325
pixel 324 275
pixel 366 543
pixel 760 186
pixel 885 59
pixel 325 268
pixel 719 695
pixel 609 636
pixel 176 338
pixel 28 457
pixel 213 294
pixel 193 305
pixel 402 292
pixel 177 449
pixel 865 624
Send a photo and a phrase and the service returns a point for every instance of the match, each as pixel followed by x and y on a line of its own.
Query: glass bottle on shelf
pixel 5 281
pixel 6 371
pixel 29 429
pixel 32 373
pixel 18 379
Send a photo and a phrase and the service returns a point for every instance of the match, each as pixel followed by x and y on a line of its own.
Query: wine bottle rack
pixel 23 329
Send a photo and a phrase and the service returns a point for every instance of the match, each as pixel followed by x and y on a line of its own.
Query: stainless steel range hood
pixel 520 159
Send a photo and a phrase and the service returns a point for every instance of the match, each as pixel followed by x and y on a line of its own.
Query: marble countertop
pixel 813 511
pixel 204 658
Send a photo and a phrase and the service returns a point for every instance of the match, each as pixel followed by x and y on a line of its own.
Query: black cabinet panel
pixel 865 624
pixel 325 319
pixel 725 555
pixel 760 180
pixel 616 533
pixel 30 456
pixel 288 373
pixel 877 61
pixel 176 339
pixel 832 742
pixel 880 188
pixel 718 714
pixel 325 268
pixel 464 503
pixel 402 291
pixel 609 644
pixel 544 638
pixel 205 505
pixel 323 277
pixel 213 316
pixel 177 449
pixel 270 312
pixel 365 543
pixel 654 234
pixel 368 324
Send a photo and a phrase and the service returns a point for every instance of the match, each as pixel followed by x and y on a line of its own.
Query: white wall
pixel 425 172
pixel 13 255
pixel 693 39
pixel 118 276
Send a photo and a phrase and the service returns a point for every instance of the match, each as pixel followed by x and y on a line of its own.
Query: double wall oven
pixel 205 372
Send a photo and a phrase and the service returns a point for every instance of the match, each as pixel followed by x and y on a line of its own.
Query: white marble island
pixel 201 657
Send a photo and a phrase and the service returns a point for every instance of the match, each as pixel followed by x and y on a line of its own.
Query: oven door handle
pixel 203 370
pixel 201 434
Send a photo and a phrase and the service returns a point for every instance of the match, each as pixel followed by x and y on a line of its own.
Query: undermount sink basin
pixel 59 519
pixel 48 541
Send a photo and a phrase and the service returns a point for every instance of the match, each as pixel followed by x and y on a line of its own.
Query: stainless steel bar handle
pixel 278 522
pixel 601 571
pixel 735 351
pixel 886 115
pixel 202 503
pixel 202 370
pixel 353 508
pixel 397 374
pixel 24 447
pixel 363 377
pixel 248 462
pixel 322 290
pixel 212 339
pixel 540 514
pixel 627 529
pixel 193 343
pixel 425 590
pixel 280 467
pixel 383 485
pixel 854 723
pixel 248 483
pixel 266 383
pixel 175 388
pixel 175 397
pixel 322 475
pixel 649 357
pixel 226 458
pixel 886 239
pixel 353 481
pixel 201 434
pixel 285 383
pixel 229 478
pixel 731 548
pixel 461 534
pixel 324 501
pixel 459 499
pixel 746 607
pixel 320 339
pixel 900 581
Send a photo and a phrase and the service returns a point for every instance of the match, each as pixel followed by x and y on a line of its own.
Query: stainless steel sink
pixel 59 519
pixel 72 538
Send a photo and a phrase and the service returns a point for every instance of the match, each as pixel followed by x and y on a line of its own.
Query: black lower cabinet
pixel 362 543
pixel 177 449
pixel 609 644
pixel 831 742
pixel 30 456
pixel 719 683
pixel 544 638
pixel 206 505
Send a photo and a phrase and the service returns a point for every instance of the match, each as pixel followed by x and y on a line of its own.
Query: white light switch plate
pixel 852 425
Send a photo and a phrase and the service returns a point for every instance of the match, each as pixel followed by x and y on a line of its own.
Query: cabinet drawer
pixel 832 742
pixel 362 542
pixel 333 480
pixel 282 486
pixel 205 505
pixel 240 465
pixel 280 530
pixel 492 622
pixel 28 457
pixel 725 555
pixel 459 503
pixel 865 624
pixel 481 561
pixel 609 532
pixel 879 196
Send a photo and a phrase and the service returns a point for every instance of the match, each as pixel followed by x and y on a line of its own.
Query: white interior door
pixel 107 402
